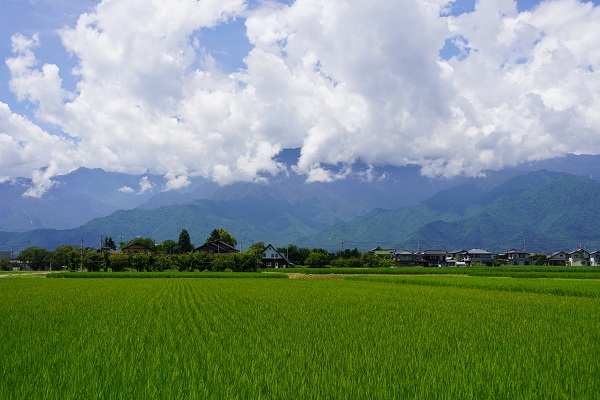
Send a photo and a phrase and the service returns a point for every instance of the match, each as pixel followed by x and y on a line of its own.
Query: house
pixel 217 247
pixel 405 258
pixel 578 258
pixel 273 258
pixel 557 259
pixel 479 256
pixel 456 258
pixel 434 258
pixel 379 252
pixel 136 248
pixel 517 257
pixel 457 255
pixel 595 258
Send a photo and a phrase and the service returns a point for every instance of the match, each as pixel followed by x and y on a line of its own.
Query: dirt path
pixel 40 273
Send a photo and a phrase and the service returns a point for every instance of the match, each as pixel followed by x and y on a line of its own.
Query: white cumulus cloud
pixel 347 80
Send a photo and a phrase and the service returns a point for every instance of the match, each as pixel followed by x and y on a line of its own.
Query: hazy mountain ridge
pixel 283 210
pixel 542 210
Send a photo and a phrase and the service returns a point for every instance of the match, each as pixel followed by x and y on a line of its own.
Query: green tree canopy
pixel 539 258
pixel 109 243
pixel 168 247
pixel 65 256
pixel 256 248
pixel 36 257
pixel 184 243
pixel 317 259
pixel 222 235
pixel 5 264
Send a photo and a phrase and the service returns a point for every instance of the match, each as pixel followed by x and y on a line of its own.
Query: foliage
pixel 142 261
pixel 373 261
pixel 5 264
pixel 538 259
pixel 65 256
pixel 256 248
pixel 296 255
pixel 222 235
pixel 352 262
pixel 109 243
pixel 118 262
pixel 93 261
pixel 348 254
pixel 317 259
pixel 168 247
pixel 36 257
pixel 183 243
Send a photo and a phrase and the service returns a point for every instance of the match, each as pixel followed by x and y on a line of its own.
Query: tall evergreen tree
pixel 109 243
pixel 184 243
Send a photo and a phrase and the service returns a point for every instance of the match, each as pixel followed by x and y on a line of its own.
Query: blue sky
pixel 384 83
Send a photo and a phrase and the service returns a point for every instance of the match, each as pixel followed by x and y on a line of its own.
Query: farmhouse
pixel 380 252
pixel 136 248
pixel 557 259
pixel 517 257
pixel 217 247
pixel 272 258
pixel 479 256
pixel 405 258
pixel 434 258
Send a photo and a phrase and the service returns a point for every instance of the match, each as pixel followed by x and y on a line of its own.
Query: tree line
pixel 180 255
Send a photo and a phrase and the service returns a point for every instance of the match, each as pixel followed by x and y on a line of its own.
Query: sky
pixel 217 88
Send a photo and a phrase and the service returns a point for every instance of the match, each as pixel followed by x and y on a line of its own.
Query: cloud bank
pixel 344 81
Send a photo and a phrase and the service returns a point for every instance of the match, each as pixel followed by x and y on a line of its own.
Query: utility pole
pixel 81 260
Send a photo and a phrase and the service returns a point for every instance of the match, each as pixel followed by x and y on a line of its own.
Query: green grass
pixel 293 338
pixel 515 272
pixel 562 287
pixel 171 274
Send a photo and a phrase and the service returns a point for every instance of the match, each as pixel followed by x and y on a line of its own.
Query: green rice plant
pixel 171 274
pixel 291 338
pixel 563 287
pixel 517 272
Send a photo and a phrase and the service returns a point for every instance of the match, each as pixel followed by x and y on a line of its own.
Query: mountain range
pixel 541 211
pixel 386 206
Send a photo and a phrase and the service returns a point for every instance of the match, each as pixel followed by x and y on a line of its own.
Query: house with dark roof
pixel 518 257
pixel 405 258
pixel 273 258
pixel 217 247
pixel 136 248
pixel 479 256
pixel 557 259
pixel 434 258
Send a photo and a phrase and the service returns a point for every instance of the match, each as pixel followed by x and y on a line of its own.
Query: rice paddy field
pixel 359 336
